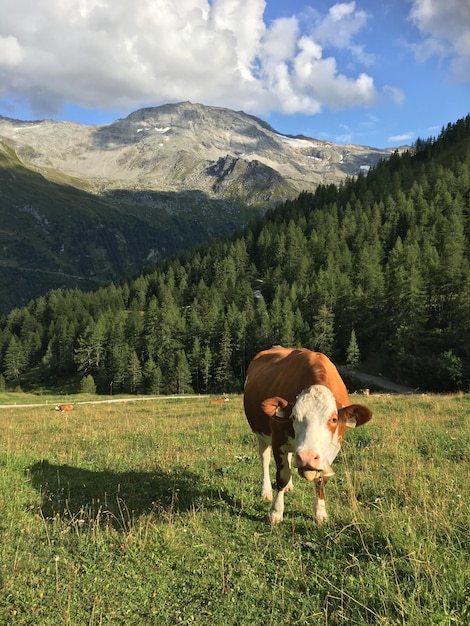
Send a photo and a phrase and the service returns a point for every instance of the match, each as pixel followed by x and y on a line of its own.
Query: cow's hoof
pixel 267 496
pixel 273 520
pixel 321 519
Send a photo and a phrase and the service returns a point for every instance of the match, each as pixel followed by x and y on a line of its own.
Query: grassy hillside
pixel 149 513
pixel 56 234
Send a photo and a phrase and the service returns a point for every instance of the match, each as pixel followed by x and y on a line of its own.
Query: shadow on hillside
pixel 80 497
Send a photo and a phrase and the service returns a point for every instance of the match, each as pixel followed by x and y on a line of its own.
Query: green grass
pixel 149 513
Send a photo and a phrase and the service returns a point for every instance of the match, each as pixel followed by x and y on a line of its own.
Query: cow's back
pixel 285 372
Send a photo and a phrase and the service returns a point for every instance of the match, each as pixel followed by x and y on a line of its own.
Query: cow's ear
pixel 277 408
pixel 355 415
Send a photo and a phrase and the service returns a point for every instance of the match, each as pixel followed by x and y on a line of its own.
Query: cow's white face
pixel 319 427
pixel 317 432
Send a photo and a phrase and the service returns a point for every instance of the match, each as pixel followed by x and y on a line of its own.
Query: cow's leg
pixel 290 484
pixel 276 514
pixel 320 508
pixel 264 446
pixel 283 484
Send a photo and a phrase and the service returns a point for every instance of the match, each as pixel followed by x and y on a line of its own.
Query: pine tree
pixel 119 358
pixel 323 334
pixel 62 333
pixel 406 305
pixel 287 337
pixel 90 353
pixel 195 361
pixel 15 359
pixel 87 385
pixel 113 370
pixel 151 328
pixel 183 374
pixel 223 376
pixel 206 364
pixel 261 327
pixel 353 355
pixel 152 377
pixel 133 373
pixel 450 368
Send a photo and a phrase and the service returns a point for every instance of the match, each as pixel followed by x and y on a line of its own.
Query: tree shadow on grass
pixel 79 496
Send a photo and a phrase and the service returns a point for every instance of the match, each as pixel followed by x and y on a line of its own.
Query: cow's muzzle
pixel 312 474
pixel 309 474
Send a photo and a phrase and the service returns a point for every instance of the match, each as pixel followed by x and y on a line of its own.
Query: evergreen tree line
pixel 374 272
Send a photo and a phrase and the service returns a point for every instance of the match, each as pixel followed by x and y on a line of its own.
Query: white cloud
pixel 10 51
pixel 121 54
pixel 396 95
pixel 370 121
pixel 403 139
pixel 343 139
pixel 339 27
pixel 445 27
pixel 280 40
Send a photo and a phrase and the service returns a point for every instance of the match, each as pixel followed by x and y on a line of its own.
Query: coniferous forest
pixel 375 273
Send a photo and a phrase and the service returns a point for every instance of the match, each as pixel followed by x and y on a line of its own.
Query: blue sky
pixel 372 72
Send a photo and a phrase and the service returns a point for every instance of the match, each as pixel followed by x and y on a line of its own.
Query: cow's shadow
pixel 81 497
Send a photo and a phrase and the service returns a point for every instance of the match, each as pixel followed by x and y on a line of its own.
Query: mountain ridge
pixel 89 204
pixel 176 146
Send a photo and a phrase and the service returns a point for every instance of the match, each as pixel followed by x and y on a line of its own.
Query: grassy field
pixel 149 513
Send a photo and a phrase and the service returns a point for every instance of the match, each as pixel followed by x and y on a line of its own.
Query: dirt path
pixel 109 401
pixel 380 381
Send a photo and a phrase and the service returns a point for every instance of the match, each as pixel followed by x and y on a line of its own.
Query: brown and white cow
pixel 64 407
pixel 297 405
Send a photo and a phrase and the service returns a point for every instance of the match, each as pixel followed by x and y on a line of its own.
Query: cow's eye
pixel 334 420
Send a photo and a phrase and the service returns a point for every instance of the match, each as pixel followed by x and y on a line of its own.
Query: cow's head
pixel 319 427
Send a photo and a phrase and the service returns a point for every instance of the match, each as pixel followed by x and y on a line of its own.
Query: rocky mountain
pixel 187 147
pixel 82 205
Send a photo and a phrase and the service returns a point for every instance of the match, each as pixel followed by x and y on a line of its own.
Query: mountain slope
pixel 83 205
pixel 58 236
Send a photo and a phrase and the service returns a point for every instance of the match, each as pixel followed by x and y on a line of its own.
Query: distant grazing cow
pixel 297 404
pixel 64 407
pixel 364 392
pixel 219 400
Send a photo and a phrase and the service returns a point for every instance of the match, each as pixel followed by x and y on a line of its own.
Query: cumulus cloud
pixel 339 28
pixel 445 28
pixel 121 54
pixel 10 51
